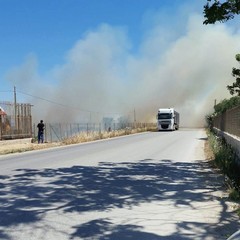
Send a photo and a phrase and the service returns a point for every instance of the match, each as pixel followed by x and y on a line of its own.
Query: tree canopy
pixel 216 11
pixel 226 104
pixel 235 87
pixel 222 107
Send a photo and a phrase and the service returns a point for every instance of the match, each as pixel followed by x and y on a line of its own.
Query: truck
pixel 167 119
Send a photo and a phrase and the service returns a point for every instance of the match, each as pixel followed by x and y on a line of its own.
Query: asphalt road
pixel 148 186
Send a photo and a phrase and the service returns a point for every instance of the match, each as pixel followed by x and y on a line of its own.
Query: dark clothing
pixel 40 127
pixel 40 137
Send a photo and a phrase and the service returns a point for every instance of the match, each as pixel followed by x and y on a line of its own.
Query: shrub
pixel 226 160
pixel 234 195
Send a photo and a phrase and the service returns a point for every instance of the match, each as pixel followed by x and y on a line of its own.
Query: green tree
pixel 235 87
pixel 214 11
pixel 226 104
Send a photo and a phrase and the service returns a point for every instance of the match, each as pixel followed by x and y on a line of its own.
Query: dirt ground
pixel 208 151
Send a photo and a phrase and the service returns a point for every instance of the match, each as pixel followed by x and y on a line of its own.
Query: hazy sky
pixel 76 60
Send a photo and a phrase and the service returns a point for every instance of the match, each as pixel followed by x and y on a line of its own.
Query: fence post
pixel 45 133
pixel 33 131
pixel 71 133
pixel 100 130
pixel 0 127
pixel 30 126
pixel 50 132
pixel 60 130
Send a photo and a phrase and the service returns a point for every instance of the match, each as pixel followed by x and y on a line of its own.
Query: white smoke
pixel 103 76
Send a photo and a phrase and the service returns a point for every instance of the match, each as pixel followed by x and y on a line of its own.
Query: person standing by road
pixel 40 127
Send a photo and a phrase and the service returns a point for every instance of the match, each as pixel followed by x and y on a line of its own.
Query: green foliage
pixel 226 104
pixel 224 155
pixel 235 87
pixel 216 11
pixel 226 160
pixel 209 121
pixel 220 108
pixel 237 57
pixel 238 211
pixel 234 195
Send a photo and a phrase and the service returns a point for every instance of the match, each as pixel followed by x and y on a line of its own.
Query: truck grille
pixel 164 122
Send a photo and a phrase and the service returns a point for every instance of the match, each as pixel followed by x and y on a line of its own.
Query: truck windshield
pixel 164 115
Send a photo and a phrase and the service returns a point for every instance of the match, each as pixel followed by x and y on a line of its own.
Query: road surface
pixel 148 186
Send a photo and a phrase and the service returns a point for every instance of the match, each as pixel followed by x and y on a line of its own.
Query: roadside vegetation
pixel 225 157
pixel 227 161
pixel 92 136
pixel 78 138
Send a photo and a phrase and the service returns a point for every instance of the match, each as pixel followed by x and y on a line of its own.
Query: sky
pixel 82 60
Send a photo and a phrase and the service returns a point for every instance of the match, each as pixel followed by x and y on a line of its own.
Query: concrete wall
pixel 229 121
pixel 233 140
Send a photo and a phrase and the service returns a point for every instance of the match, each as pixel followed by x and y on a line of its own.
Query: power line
pixel 67 106
pixel 6 91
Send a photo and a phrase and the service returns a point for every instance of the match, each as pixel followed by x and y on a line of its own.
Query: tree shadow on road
pixel 29 194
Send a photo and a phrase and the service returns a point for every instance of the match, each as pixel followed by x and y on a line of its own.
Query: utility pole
pixel 134 116
pixel 15 107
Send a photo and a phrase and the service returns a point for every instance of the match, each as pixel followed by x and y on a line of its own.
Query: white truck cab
pixel 167 119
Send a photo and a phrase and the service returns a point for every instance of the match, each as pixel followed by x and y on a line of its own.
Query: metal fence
pixel 15 120
pixel 229 121
pixel 55 132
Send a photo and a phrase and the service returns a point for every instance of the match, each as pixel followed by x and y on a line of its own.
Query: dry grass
pixel 25 147
pixel 208 151
pixel 92 136
pixel 80 138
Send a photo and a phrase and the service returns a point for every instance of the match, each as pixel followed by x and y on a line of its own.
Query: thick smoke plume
pixel 105 76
